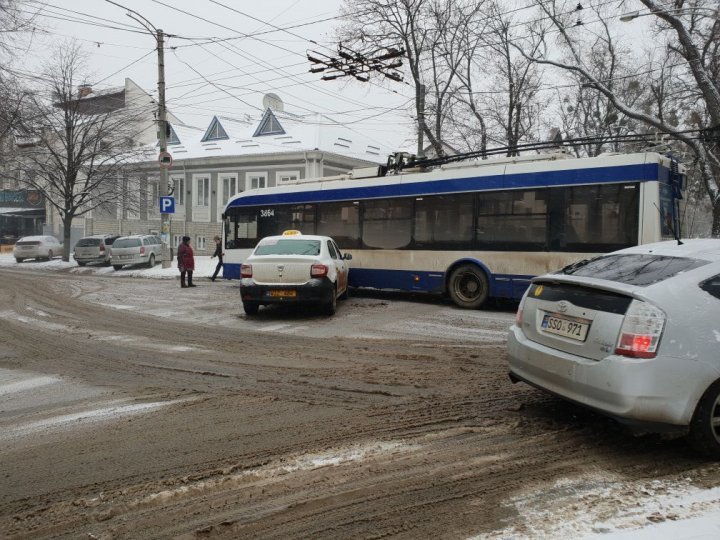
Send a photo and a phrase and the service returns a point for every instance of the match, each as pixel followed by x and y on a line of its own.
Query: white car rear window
pixel 641 269
pixel 289 247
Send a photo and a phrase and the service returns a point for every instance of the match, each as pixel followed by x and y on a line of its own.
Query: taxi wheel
pixel 331 306
pixel 117 266
pixel 19 259
pixel 81 263
pixel 251 308
pixel 468 286
pixel 705 425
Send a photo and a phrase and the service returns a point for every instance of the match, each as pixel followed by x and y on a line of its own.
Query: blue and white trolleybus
pixel 471 230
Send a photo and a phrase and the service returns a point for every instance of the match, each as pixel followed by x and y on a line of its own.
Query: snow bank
pixel 204 267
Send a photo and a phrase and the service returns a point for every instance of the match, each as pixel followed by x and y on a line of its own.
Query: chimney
pixel 84 90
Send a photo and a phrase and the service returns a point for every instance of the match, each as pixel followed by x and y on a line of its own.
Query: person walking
pixel 219 254
pixel 186 262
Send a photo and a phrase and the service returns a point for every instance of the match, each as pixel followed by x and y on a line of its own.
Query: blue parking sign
pixel 167 205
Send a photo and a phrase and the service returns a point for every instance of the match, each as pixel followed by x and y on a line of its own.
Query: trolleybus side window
pixel 341 220
pixel 387 224
pixel 299 217
pixel 243 227
pixel 512 220
pixel 443 221
pixel 599 218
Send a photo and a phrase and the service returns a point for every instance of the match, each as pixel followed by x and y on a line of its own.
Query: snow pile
pixel 204 267
pixel 616 510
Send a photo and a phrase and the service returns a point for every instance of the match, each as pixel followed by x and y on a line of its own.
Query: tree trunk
pixel 67 225
pixel 715 232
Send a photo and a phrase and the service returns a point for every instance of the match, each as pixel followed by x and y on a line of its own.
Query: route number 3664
pixel 267 213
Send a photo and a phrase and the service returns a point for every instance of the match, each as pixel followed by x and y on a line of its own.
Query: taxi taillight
pixel 641 330
pixel 318 270
pixel 246 270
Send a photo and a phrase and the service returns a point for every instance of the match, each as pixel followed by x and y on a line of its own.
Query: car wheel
pixel 81 263
pixel 331 306
pixel 117 266
pixel 705 425
pixel 151 260
pixel 19 259
pixel 468 286
pixel 50 255
pixel 251 308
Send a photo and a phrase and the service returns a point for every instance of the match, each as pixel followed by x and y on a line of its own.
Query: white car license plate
pixel 570 328
pixel 126 256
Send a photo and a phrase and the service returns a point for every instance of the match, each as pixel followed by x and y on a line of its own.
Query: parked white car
pixel 37 247
pixel 294 268
pixel 634 334
pixel 136 249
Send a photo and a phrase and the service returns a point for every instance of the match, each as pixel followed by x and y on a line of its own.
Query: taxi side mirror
pixel 347 257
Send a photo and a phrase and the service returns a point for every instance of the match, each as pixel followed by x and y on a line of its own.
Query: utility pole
pixel 162 136
pixel 421 121
pixel 162 126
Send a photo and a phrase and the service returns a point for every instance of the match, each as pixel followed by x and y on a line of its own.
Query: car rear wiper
pixel 570 268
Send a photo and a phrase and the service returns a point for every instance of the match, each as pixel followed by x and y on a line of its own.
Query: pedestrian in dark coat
pixel 186 262
pixel 219 254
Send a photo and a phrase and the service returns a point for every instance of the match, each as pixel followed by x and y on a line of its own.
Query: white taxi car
pixel 294 268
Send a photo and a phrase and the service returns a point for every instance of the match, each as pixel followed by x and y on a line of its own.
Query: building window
pixel 215 132
pixel 202 191
pixel 291 176
pixel 227 187
pixel 200 242
pixel 269 125
pixel 258 180
pixel 177 238
pixel 178 182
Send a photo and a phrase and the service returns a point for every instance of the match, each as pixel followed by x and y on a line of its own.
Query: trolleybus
pixel 470 230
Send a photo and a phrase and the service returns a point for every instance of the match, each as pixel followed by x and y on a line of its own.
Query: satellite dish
pixel 273 101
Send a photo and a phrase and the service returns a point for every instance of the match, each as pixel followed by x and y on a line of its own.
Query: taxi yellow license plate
pixel 283 294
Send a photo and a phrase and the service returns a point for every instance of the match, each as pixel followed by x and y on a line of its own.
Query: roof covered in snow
pixel 272 132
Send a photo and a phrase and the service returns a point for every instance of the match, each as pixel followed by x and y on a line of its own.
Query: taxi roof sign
pixel 291 232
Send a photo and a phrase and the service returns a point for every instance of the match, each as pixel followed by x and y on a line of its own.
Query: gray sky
pixel 227 77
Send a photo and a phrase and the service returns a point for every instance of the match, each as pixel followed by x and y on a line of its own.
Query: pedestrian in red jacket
pixel 186 262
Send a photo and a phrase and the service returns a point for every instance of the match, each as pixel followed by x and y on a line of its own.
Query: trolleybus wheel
pixel 468 286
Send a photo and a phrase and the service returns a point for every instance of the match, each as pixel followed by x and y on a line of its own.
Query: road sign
pixel 167 205
pixel 165 159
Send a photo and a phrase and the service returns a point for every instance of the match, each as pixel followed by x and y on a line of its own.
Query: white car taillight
pixel 102 248
pixel 318 270
pixel 142 250
pixel 519 313
pixel 641 330
pixel 246 270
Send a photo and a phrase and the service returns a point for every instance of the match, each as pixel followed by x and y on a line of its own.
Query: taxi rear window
pixel 641 269
pixel 289 247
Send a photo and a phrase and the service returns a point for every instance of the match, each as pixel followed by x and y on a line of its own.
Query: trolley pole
pixel 162 137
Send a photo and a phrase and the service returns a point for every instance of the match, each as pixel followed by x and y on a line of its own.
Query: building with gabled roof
pixel 230 155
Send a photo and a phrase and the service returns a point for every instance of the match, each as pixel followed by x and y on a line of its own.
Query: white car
pixel 634 334
pixel 37 247
pixel 142 249
pixel 294 268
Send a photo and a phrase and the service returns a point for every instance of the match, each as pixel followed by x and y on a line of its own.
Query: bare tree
pixel 429 31
pixel 80 149
pixel 692 33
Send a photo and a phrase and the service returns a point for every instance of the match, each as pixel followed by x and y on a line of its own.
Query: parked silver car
pixel 94 249
pixel 37 247
pixel 634 334
pixel 136 249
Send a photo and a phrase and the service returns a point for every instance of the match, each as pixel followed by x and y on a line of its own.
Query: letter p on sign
pixel 167 205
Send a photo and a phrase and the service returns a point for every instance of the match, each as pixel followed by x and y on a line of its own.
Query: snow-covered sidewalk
pixel 204 267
